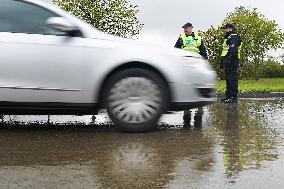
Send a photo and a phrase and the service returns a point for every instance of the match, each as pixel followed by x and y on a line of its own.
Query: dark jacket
pixel 234 43
pixel 202 48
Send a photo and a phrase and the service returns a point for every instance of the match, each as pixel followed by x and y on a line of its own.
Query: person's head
pixel 228 28
pixel 187 28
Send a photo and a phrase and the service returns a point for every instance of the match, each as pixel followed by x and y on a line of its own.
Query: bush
pixel 272 68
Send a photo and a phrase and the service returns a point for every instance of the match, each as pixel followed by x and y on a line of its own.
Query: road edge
pixel 256 95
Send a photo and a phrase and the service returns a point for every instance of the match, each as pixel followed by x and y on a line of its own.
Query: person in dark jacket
pixel 194 43
pixel 230 62
pixel 191 42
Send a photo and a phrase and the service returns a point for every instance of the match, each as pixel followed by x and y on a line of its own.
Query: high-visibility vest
pixel 226 47
pixel 191 43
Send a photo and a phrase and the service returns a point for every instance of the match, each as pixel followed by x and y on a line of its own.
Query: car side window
pixel 22 17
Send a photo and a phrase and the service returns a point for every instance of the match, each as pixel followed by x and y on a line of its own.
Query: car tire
pixel 135 99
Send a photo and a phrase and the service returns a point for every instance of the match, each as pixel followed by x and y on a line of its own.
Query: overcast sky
pixel 163 19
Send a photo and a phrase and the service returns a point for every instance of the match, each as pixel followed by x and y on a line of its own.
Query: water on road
pixel 232 146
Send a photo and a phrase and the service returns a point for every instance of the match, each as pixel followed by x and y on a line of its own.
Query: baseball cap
pixel 187 25
pixel 226 26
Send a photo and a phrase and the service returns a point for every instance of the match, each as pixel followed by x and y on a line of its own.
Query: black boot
pixel 224 99
pixel 232 100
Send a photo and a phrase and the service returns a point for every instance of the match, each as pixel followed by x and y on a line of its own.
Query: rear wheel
pixel 135 99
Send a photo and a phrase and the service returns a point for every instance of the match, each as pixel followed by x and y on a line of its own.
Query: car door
pixel 37 63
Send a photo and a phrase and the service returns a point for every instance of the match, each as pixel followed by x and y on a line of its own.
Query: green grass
pixel 266 85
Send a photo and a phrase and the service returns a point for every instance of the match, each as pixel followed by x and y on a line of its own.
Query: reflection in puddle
pixel 236 145
pixel 134 156
pixel 247 140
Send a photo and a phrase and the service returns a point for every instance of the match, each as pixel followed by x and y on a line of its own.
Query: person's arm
pixel 179 43
pixel 234 44
pixel 202 50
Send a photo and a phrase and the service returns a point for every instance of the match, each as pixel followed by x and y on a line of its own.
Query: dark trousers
pixel 197 117
pixel 231 76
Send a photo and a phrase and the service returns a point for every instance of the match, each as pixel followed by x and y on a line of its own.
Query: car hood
pixel 131 43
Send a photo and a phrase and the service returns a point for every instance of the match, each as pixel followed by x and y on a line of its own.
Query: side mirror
pixel 61 24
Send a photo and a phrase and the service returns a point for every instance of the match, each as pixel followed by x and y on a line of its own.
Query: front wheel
pixel 135 99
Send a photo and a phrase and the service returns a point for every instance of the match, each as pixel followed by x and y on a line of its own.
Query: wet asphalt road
pixel 235 146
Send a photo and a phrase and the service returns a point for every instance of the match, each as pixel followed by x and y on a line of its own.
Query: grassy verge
pixel 265 85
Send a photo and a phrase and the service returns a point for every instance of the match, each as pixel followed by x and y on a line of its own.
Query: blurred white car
pixel 53 63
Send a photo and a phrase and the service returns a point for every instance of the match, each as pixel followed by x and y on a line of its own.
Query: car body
pixel 53 63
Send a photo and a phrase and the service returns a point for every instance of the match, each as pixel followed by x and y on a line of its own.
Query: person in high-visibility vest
pixel 191 42
pixel 194 43
pixel 230 62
